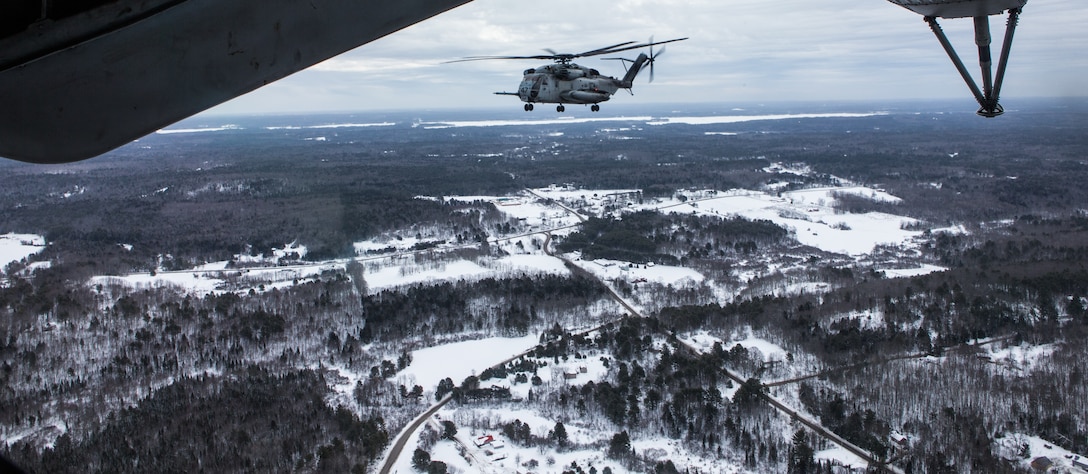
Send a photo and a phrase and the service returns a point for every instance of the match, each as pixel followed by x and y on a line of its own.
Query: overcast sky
pixel 738 51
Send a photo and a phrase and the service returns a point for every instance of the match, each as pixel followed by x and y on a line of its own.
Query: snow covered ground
pixel 839 455
pixel 390 273
pixel 811 216
pixel 924 269
pixel 458 360
pixel 648 120
pixel 15 247
pixel 1012 446
pixel 215 277
pixel 663 274
pixel 1021 359
pixel 704 342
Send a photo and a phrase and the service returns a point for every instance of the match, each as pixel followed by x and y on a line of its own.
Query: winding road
pixel 406 434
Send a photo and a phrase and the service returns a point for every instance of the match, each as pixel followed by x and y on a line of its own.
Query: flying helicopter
pixel 979 11
pixel 565 82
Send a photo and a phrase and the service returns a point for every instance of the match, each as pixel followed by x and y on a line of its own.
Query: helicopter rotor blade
pixel 628 48
pixel 603 50
pixel 566 57
pixel 488 58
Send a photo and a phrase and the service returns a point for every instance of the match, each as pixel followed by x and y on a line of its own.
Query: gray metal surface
pixel 958 8
pixel 108 89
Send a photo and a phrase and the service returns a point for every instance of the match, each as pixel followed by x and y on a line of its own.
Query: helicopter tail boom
pixel 636 66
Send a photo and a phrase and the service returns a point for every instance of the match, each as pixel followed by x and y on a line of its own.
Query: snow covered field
pixel 460 359
pixel 15 247
pixel 662 274
pixel 648 120
pixel 704 342
pixel 811 215
pixel 387 274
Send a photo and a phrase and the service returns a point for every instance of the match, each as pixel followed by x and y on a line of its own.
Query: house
pixel 570 375
pixel 1080 462
pixel 898 438
pixel 1041 463
pixel 483 440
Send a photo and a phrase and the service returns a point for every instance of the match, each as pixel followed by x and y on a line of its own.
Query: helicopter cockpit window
pixel 529 71
pixel 594 72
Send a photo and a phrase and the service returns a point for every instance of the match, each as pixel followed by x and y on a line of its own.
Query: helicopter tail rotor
pixel 653 57
pixel 639 63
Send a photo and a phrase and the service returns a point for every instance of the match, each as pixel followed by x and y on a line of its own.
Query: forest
pixel 101 376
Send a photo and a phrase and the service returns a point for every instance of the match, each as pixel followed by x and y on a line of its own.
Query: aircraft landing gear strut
pixel 988 96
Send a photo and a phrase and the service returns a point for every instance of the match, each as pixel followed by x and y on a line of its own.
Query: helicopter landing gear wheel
pixel 595 108
pixel 560 109
pixel 528 107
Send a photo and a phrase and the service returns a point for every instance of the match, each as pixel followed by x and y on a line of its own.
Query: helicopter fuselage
pixel 566 84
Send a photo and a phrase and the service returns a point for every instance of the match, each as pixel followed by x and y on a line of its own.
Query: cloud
pixel 738 50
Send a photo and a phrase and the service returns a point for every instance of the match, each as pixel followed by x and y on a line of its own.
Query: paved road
pixel 406 434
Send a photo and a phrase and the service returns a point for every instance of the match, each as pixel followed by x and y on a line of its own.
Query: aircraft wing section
pixel 81 85
pixel 959 8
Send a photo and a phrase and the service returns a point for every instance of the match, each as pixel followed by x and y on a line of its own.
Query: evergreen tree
pixel 559 434
pixel 437 467
pixel 801 455
pixel 620 446
pixel 449 430
pixel 421 459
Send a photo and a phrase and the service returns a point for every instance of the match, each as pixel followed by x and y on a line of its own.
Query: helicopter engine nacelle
pixel 569 73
